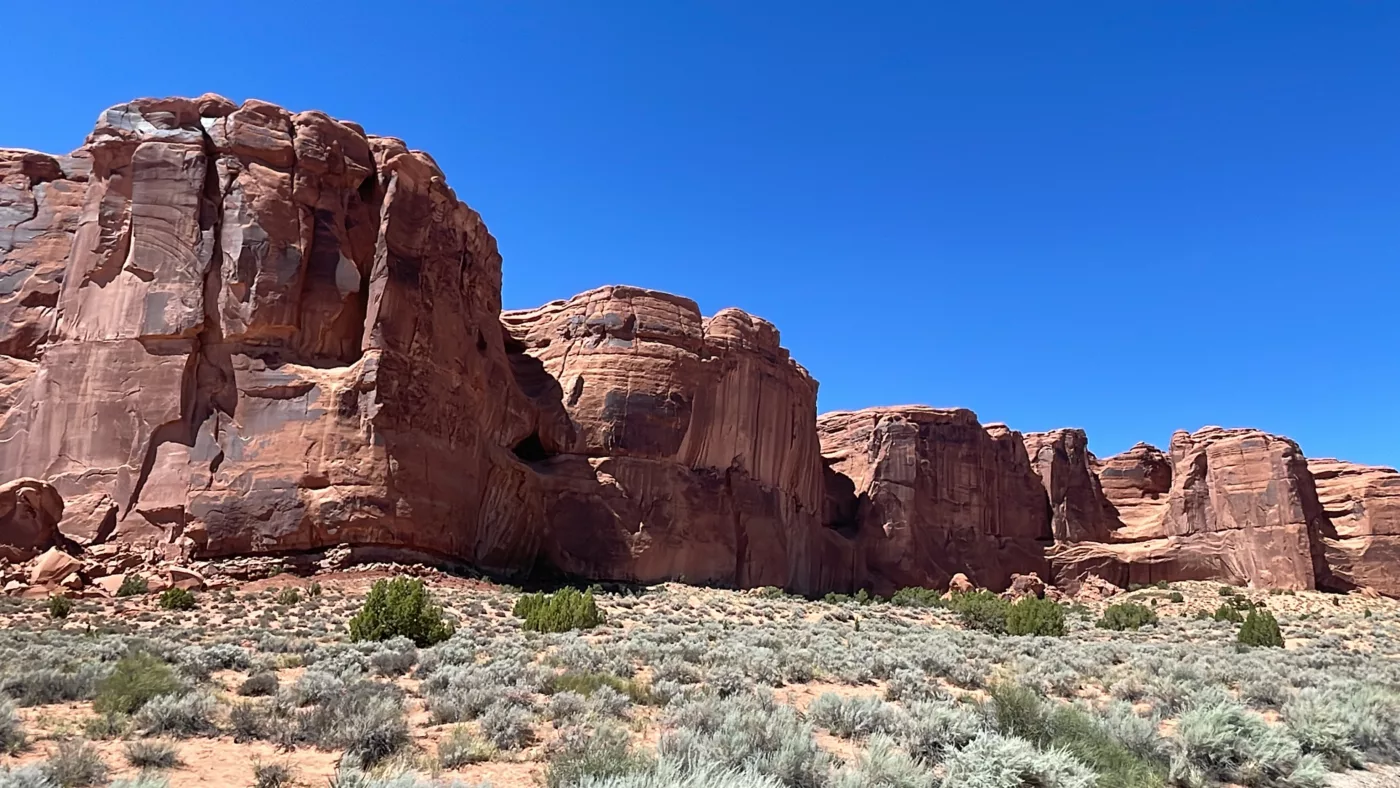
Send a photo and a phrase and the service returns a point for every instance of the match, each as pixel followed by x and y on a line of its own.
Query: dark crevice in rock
pixel 532 449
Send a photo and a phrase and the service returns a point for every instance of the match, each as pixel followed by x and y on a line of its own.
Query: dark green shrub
pixel 1162 584
pixel 132 585
pixel 917 597
pixel 400 608
pixel 176 599
pixel 1366 613
pixel 1227 612
pixel 1176 596
pixel 1260 628
pixel 982 610
pixel 288 596
pixel 834 598
pixel 561 611
pixel 136 678
pixel 1226 590
pixel 1128 615
pixel 1033 616
pixel 60 606
pixel 1241 603
pixel 314 590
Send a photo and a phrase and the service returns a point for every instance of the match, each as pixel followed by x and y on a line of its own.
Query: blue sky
pixel 1131 217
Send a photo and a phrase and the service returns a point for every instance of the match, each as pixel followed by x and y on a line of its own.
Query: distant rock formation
pixel 233 330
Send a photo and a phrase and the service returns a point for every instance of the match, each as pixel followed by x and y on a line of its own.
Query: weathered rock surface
pixel 938 494
pixel 30 510
pixel 1062 460
pixel 53 566
pixel 1241 508
pixel 1362 505
pixel 693 450
pixel 273 332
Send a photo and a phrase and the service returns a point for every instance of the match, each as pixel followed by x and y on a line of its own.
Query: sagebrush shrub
pixel 176 715
pixel 1034 616
pixel 400 607
pixel 76 763
pixel 1260 628
pixel 137 678
pixel 561 611
pixel 258 685
pixel 1127 615
pixel 12 736
pixel 461 747
pixel 1227 612
pixel 914 596
pixel 578 755
pixel 147 754
pixel 854 717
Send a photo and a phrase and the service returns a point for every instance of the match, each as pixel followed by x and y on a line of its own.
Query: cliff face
pixel 269 332
pixel 694 452
pixel 936 494
pixel 1362 506
pixel 230 329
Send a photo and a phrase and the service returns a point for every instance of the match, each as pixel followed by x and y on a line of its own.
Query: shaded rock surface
pixel 30 511
pixel 1362 506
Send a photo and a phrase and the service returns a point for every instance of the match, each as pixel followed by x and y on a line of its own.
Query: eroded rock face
pixel 938 494
pixel 29 513
pixel 273 332
pixel 1062 460
pixel 1241 507
pixel 1362 505
pixel 691 449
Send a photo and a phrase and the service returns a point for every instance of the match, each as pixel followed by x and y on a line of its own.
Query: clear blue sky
pixel 1130 217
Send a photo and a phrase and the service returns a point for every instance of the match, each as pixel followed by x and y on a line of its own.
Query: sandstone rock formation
pixel 269 332
pixel 694 451
pixel 1241 508
pixel 234 330
pixel 30 510
pixel 1362 505
pixel 937 494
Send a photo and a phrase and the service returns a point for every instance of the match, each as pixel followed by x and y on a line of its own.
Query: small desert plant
pixel 400 607
pixel 60 607
pixel 854 717
pixel 561 611
pixel 133 585
pixel 1176 596
pixel 176 715
pixel 585 683
pixel 1260 628
pixel 580 755
pixel 314 590
pixel 12 736
pixel 1127 615
pixel 76 763
pixel 1033 616
pixel 272 775
pixel 148 754
pixel 259 685
pixel 288 596
pixel 462 747
pixel 507 727
pixel 176 599
pixel 136 678
pixel 1224 742
pixel 996 760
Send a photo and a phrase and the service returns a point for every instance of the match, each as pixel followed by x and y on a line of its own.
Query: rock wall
pixel 1238 506
pixel 270 332
pixel 233 330
pixel 936 493
pixel 694 451
pixel 1362 506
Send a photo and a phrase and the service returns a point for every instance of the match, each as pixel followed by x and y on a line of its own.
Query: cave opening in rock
pixel 532 449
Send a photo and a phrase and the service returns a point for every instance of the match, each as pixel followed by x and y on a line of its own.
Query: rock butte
pixel 231 330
